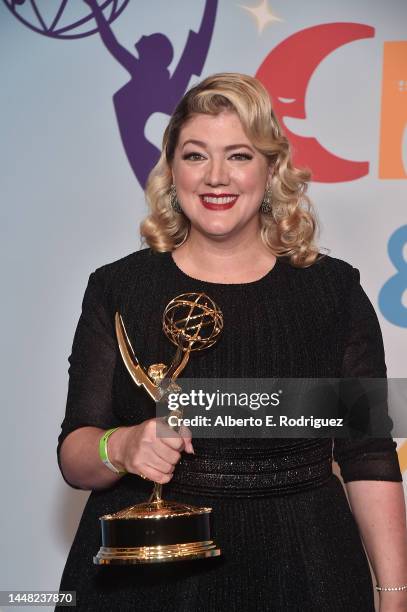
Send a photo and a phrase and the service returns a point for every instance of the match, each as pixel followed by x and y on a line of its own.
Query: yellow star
pixel 262 14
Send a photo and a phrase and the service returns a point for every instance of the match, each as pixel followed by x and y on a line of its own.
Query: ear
pixel 270 172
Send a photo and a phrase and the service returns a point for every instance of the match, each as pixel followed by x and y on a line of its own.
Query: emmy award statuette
pixel 157 530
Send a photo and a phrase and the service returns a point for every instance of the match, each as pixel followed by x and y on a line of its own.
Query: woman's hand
pixel 140 450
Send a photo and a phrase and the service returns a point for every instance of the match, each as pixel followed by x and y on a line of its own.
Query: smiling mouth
pixel 222 201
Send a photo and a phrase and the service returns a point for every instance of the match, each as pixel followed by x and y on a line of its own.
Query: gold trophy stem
pixel 156 496
pixel 181 365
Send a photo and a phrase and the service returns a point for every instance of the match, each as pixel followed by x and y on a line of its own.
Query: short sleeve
pixel 374 458
pixel 92 363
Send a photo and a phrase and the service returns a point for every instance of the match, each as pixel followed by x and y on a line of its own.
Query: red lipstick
pixel 218 201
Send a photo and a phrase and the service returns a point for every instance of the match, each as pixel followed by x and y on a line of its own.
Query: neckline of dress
pixel 254 283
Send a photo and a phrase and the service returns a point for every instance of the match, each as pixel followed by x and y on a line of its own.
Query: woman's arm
pixel 80 461
pixel 370 467
pixel 380 512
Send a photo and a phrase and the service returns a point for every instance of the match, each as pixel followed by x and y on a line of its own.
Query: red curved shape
pixel 286 72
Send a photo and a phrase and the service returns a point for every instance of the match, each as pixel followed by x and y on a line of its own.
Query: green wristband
pixel 103 451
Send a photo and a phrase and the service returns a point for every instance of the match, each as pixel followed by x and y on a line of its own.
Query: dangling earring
pixel 174 200
pixel 266 203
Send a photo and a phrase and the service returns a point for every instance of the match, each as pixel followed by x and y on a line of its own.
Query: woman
pixel 230 217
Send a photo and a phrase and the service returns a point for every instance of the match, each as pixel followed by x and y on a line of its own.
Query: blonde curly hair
pixel 291 227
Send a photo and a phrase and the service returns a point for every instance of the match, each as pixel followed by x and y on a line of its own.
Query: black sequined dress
pixel 288 538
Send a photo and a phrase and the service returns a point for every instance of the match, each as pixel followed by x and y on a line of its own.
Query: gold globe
pixel 192 321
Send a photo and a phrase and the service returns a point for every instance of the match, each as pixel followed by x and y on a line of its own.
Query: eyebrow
pixel 202 144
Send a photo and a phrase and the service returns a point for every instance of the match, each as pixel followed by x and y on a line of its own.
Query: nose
pixel 217 173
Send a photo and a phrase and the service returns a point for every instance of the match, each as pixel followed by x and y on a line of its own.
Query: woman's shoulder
pixel 332 265
pixel 142 261
pixel 325 270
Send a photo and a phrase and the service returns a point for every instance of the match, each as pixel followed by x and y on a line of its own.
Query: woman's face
pixel 219 176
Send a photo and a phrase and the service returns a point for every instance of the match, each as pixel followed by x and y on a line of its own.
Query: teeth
pixel 217 200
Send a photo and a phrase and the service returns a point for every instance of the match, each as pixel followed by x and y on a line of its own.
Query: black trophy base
pixel 155 532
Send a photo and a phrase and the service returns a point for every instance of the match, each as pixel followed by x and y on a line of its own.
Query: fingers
pixel 186 435
pixel 179 441
pixel 164 467
pixel 149 465
pixel 151 456
pixel 152 449
pixel 167 453
pixel 150 472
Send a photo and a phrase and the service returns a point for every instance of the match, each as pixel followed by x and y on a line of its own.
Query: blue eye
pixel 193 156
pixel 242 156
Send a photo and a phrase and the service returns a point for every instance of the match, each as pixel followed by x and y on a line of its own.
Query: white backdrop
pixel 71 202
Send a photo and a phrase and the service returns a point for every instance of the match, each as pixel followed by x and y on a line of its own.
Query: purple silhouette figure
pixel 151 88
